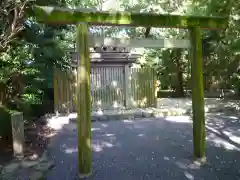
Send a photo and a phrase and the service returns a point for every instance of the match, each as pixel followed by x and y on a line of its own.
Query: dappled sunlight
pixel 115 104
pixel 57 122
pixel 99 145
pixel 189 176
pixel 235 139
pixel 164 142
pixel 70 150
pixel 99 112
pixel 219 142
pixel 212 129
pixel 99 102
pixel 109 135
pixel 72 116
pixel 178 119
pixel 233 117
pixel 166 158
pixel 95 129
pixel 127 121
pixel 223 131
pixel 189 165
pixel 141 135
pixel 114 84
pixel 104 125
pixel 231 136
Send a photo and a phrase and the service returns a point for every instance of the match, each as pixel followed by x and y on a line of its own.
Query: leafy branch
pixel 11 16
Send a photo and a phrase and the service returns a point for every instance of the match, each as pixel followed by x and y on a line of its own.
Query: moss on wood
pixel 197 93
pixel 57 15
pixel 83 102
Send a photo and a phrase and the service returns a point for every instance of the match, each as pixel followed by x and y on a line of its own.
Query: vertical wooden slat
pixel 110 85
pixel 101 85
pixel 197 92
pixel 83 100
pixel 106 82
pixel 146 89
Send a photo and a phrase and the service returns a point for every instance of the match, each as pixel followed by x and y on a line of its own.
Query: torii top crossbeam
pixel 57 15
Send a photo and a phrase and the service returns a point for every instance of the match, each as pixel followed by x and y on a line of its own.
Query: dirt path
pixel 150 148
pixel 37 137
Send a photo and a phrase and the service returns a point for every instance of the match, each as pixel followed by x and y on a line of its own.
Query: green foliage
pixel 220 48
pixel 27 63
pixel 5 121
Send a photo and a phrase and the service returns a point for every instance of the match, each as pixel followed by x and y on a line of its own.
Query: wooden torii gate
pixel 194 24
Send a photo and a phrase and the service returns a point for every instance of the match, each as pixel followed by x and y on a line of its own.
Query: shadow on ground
pixel 154 148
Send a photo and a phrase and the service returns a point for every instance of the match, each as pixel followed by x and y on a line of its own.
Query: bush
pixel 5 124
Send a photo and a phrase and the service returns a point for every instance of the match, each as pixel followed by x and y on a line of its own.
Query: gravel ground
pixel 153 148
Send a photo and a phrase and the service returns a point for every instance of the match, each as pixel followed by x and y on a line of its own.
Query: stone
pixel 95 118
pixel 147 113
pixel 159 114
pixel 43 120
pixel 44 166
pixel 114 116
pixel 36 175
pixel 138 114
pixel 28 164
pixel 33 157
pixel 127 115
pixel 18 134
pixel 165 113
pixel 83 176
pixel 44 157
pixel 103 118
pixel 11 167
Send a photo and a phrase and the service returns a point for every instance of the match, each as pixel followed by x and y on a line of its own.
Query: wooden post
pixel 18 134
pixel 83 102
pixel 197 93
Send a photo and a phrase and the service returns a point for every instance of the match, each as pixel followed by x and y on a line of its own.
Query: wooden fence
pixel 142 89
pixel 111 87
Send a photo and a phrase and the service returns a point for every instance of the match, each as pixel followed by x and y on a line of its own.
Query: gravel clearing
pixel 150 148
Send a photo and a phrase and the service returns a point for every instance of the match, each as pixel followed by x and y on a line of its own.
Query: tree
pixel 29 54
pixel 11 18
